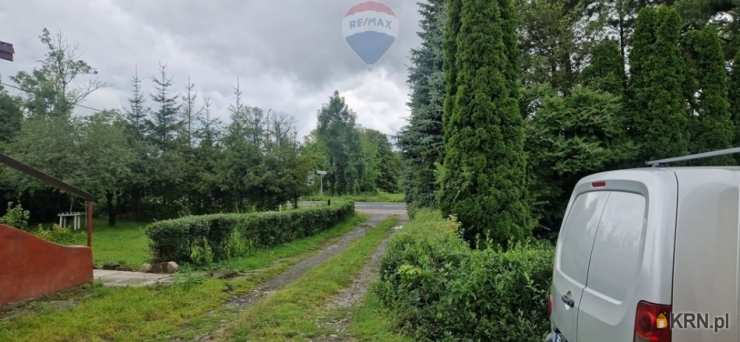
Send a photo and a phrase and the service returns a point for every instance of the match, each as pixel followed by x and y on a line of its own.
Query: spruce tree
pixel 452 28
pixel 606 71
pixel 136 114
pixel 189 113
pixel 711 126
pixel 734 96
pixel 483 178
pixel 164 123
pixel 656 112
pixel 421 140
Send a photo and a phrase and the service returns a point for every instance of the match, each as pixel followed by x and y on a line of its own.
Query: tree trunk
pixel 110 198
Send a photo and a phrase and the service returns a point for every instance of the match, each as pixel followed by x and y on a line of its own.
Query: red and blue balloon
pixel 370 28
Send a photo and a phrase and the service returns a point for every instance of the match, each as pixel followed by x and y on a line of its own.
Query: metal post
pixel 89 211
pixel 321 177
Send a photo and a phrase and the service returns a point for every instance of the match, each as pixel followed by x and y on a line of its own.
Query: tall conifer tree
pixel 136 114
pixel 421 140
pixel 656 110
pixel 483 180
pixel 164 123
pixel 711 126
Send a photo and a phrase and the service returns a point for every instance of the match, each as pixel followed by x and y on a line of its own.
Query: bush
pixel 207 238
pixel 58 234
pixel 439 288
pixel 16 216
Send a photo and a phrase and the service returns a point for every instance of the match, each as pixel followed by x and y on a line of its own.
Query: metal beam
pixel 49 180
pixel 6 51
pixel 656 163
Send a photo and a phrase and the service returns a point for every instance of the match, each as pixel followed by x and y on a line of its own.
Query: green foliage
pixel 58 234
pixel 336 130
pixel 108 159
pixel 438 288
pixel 421 140
pixel 706 88
pixel 550 52
pixel 201 252
pixel 734 96
pixel 137 113
pixel 382 164
pixel 47 143
pixel 164 123
pixel 606 71
pixel 236 245
pixel 721 14
pixel 16 216
pixel 569 137
pixel 10 116
pixel 364 197
pixel 483 180
pixel 655 107
pixel 174 239
pixel 49 91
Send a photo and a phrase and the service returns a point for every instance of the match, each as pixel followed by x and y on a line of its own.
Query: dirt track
pixel 377 212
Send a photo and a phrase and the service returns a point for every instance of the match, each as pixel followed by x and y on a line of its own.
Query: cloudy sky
pixel 289 55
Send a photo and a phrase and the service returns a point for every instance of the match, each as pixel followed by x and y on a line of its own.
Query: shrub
pixel 201 252
pixel 16 216
pixel 58 234
pixel 439 288
pixel 229 235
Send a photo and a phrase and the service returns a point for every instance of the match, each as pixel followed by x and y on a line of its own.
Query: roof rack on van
pixel 661 162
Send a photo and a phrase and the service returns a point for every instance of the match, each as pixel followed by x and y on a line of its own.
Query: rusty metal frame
pixel 56 183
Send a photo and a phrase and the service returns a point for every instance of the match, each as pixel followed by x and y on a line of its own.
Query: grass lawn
pixel 98 313
pixel 292 312
pixel 371 197
pixel 126 243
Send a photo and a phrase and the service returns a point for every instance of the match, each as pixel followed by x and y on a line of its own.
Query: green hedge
pixel 220 236
pixel 440 289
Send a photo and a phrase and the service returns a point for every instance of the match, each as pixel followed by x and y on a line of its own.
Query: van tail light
pixel 652 322
pixel 598 184
pixel 549 305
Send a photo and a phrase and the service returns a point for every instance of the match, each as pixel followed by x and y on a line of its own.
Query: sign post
pixel 321 176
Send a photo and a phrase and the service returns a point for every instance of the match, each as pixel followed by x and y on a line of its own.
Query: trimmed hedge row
pixel 440 289
pixel 183 239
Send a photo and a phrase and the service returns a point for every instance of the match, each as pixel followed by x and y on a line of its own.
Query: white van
pixel 649 255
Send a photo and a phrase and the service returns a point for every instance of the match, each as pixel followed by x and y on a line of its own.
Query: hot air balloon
pixel 370 28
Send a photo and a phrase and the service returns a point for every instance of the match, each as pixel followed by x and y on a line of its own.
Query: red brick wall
pixel 31 267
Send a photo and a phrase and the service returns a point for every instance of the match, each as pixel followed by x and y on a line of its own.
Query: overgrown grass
pixel 371 321
pixel 98 313
pixel 264 257
pixel 292 312
pixel 369 197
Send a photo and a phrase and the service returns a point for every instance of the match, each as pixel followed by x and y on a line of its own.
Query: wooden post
pixel 89 210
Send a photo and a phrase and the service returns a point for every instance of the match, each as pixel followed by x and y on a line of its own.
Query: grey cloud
pixel 289 55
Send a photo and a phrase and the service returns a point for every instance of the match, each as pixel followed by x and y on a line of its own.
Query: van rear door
pixel 607 310
pixel 572 255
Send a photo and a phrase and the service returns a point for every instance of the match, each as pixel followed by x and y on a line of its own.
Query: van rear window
pixel 617 249
pixel 579 230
